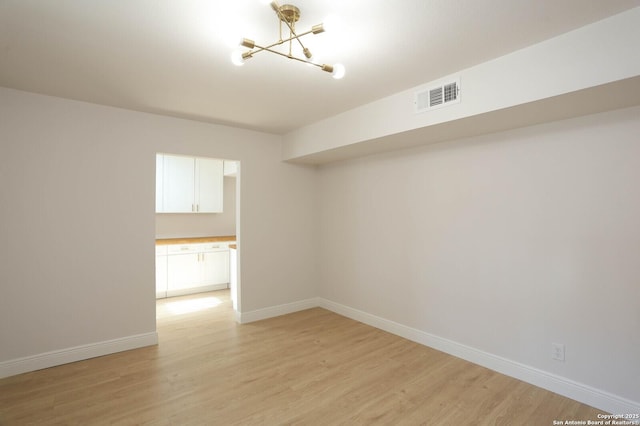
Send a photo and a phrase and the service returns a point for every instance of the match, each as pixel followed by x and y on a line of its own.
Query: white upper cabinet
pixel 209 185
pixel 188 184
pixel 178 184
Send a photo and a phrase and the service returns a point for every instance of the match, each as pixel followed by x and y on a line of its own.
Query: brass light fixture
pixel 287 15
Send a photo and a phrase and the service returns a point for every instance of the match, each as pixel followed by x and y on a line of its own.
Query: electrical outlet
pixel 557 351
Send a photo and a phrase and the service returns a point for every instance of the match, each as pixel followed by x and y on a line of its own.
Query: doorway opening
pixel 197 229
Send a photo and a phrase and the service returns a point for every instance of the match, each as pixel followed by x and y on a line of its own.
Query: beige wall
pixel 77 220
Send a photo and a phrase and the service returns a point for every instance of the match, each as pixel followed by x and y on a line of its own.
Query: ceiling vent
pixel 438 96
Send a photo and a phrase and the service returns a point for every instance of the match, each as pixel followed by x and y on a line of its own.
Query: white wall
pixel 503 243
pixel 170 225
pixel 77 221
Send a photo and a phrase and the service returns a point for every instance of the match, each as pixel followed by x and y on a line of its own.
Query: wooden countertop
pixel 233 246
pixel 193 240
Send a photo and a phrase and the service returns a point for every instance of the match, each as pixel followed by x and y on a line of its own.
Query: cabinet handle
pixel 197 207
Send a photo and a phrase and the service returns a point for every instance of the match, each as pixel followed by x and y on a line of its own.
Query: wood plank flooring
pixel 308 368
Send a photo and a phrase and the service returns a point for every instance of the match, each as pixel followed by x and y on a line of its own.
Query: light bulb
pixel 338 71
pixel 231 32
pixel 232 40
pixel 330 23
pixel 236 58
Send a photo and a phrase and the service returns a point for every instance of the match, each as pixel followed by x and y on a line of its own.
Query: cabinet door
pixel 161 276
pixel 183 272
pixel 215 268
pixel 178 184
pixel 209 185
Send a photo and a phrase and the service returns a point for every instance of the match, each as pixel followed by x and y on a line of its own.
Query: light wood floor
pixel 309 368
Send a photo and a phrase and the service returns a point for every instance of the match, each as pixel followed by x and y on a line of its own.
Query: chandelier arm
pixel 279 42
pixel 268 49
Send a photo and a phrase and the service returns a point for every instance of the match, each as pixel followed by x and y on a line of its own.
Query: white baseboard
pixel 78 353
pixel 192 290
pixel 275 311
pixel 577 391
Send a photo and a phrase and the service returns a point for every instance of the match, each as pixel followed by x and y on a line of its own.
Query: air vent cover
pixel 438 96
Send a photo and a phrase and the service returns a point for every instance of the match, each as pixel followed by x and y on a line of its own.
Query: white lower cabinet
pixel 183 272
pixel 194 268
pixel 215 268
pixel 161 271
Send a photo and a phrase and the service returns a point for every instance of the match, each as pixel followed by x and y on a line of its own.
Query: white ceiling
pixel 170 56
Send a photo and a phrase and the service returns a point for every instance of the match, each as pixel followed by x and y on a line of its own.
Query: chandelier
pixel 287 15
